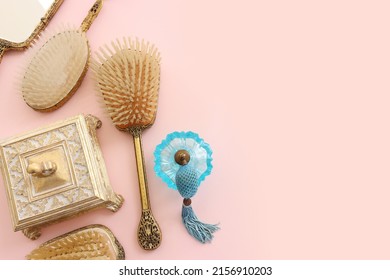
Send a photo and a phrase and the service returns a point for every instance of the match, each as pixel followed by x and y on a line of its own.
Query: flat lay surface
pixel 293 99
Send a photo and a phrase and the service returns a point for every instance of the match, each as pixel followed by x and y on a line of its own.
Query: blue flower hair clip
pixel 183 160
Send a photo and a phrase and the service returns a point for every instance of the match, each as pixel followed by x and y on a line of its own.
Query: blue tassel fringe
pixel 201 231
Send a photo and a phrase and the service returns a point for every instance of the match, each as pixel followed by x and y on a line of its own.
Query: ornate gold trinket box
pixel 54 173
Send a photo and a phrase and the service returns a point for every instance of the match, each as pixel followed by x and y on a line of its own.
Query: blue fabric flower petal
pixel 164 156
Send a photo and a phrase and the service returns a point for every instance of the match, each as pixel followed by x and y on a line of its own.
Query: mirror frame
pixel 8 45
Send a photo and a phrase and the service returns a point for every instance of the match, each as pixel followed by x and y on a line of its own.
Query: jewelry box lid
pixel 55 172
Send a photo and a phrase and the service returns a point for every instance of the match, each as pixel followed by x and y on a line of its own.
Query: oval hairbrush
pixel 93 242
pixel 58 67
pixel 128 78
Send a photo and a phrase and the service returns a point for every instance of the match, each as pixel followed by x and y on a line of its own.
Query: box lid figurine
pixel 54 173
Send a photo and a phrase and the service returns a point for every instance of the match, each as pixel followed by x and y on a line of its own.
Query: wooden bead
pixel 187 201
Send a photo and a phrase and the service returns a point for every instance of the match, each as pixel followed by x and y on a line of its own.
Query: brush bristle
pixel 128 78
pixel 55 70
pixel 89 243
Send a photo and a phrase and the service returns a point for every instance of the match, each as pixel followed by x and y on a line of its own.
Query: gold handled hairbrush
pixel 128 78
pixel 93 242
pixel 58 67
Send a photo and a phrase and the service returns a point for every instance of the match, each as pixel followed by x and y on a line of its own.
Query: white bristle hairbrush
pixel 127 75
pixel 58 66
pixel 93 242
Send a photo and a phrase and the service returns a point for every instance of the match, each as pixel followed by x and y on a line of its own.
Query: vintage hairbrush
pixel 182 161
pixel 128 78
pixel 58 66
pixel 93 242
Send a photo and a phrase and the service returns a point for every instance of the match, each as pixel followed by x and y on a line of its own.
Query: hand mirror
pixel 22 20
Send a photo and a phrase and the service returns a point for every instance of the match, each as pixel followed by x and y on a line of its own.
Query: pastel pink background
pixel 292 96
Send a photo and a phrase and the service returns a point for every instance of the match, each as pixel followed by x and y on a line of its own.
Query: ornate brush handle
pixel 149 233
pixel 92 14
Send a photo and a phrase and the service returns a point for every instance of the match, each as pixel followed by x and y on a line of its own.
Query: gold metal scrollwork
pixel 149 234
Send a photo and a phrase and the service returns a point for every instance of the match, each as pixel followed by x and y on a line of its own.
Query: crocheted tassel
pixel 201 231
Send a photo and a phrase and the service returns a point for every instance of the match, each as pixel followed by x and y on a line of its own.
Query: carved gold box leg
pixel 116 203
pixel 33 233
